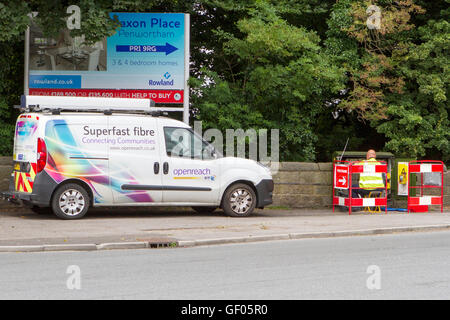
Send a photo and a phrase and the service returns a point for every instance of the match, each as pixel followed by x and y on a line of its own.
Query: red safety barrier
pixel 421 203
pixel 342 180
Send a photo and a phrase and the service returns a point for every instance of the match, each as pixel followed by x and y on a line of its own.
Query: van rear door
pixel 25 152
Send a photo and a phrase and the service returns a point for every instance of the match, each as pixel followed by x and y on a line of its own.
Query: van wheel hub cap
pixel 241 201
pixel 71 202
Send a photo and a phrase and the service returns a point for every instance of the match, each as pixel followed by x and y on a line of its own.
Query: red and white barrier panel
pixel 425 201
pixel 369 168
pixel 426 168
pixel 360 202
pixel 423 167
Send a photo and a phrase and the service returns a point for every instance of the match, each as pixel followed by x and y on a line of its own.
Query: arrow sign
pixel 167 48
pixel 341 177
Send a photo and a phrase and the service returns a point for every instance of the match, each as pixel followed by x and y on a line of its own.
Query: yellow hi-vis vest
pixel 371 180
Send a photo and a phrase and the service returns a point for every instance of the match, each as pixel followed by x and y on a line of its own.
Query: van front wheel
pixel 70 201
pixel 239 200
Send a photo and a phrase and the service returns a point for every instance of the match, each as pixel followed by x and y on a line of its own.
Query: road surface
pixel 403 266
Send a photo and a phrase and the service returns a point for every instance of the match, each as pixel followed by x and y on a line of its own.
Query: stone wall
pixel 309 185
pixel 5 172
pixel 303 184
pixel 297 184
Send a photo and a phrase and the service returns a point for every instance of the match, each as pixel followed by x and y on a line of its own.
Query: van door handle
pixel 156 167
pixel 165 167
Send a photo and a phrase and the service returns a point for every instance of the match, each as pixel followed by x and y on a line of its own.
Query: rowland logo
pixel 160 82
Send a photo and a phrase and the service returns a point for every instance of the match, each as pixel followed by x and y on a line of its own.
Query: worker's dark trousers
pixel 361 193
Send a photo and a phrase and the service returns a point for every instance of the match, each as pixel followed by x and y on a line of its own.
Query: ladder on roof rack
pixel 84 104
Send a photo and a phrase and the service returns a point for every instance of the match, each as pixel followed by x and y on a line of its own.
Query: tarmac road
pixel 404 266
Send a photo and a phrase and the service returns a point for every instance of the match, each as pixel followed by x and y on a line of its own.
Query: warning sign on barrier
pixel 402 178
pixel 341 177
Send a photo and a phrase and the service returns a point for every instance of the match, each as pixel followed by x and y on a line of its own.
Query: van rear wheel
pixel 239 200
pixel 70 201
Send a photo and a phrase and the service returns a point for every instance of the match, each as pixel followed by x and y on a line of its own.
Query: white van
pixel 72 153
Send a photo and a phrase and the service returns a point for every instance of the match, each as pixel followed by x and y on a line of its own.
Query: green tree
pixel 274 75
pixel 419 121
pixel 398 74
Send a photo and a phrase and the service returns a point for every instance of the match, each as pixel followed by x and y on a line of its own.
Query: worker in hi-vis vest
pixel 369 182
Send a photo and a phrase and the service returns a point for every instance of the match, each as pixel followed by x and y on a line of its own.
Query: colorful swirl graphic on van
pixel 67 159
pixel 25 129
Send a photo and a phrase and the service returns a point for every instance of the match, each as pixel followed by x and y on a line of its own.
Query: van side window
pixel 182 142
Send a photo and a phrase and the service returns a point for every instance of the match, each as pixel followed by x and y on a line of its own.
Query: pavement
pixel 22 230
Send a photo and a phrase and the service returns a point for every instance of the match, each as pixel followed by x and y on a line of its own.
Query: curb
pixel 312 235
pixel 86 247
pixel 218 241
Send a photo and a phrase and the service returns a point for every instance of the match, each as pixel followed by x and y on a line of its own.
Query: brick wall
pixel 297 184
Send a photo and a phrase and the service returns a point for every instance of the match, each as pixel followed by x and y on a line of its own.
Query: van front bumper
pixel 264 191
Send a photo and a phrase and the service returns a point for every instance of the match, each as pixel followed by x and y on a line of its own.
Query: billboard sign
pixel 146 58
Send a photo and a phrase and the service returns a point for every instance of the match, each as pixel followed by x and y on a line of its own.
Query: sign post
pixel 187 41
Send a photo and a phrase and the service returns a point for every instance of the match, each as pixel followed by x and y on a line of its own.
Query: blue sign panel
pixel 150 44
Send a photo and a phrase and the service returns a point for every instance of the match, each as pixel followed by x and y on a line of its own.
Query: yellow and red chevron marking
pixel 23 181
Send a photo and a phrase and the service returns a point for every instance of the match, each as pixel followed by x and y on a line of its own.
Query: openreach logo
pixel 191 172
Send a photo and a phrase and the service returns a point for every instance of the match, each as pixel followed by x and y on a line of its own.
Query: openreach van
pixel 73 153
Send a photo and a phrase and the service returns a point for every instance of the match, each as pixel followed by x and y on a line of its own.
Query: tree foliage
pixel 398 73
pixel 275 74
pixel 311 68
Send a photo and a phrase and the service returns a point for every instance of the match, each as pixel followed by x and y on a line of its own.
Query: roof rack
pixel 106 105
